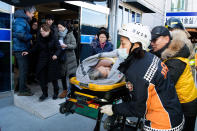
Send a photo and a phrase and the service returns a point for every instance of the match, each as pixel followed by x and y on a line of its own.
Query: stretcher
pixel 86 99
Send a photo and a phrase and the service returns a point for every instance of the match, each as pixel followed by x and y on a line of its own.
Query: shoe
pixel 55 96
pixel 25 93
pixel 63 94
pixel 16 89
pixel 43 97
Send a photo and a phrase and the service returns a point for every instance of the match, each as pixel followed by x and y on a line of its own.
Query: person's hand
pixel 107 109
pixel 64 46
pixel 129 85
pixel 24 53
pixel 54 57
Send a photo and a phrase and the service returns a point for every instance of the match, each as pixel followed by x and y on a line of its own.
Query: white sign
pixel 189 19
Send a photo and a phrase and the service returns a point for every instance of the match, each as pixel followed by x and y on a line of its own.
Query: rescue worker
pixel 175 54
pixel 174 23
pixel 148 80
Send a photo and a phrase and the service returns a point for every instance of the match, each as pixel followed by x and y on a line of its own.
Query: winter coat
pixel 21 32
pixel 55 30
pixel 176 58
pixel 69 67
pixel 46 48
pixel 153 96
pixel 96 48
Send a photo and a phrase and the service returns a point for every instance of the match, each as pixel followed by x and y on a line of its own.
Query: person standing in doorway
pixel 21 42
pixel 50 22
pixel 47 70
pixel 101 44
pixel 69 62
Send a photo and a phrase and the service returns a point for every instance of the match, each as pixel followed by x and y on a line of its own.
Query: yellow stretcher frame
pixel 95 87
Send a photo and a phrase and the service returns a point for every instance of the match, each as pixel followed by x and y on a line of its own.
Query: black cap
pixel 159 31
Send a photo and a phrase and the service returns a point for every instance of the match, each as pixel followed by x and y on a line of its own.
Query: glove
pixel 107 109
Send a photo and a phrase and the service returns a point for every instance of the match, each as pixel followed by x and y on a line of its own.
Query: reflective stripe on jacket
pixel 192 62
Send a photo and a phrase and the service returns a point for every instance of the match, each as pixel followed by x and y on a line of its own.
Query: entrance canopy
pixel 22 3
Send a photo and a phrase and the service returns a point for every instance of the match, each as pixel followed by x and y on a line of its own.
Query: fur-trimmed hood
pixel 180 46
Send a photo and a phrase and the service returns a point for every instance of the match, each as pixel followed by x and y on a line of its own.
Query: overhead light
pixel 58 9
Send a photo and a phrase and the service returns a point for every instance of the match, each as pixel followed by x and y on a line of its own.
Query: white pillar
pixel 113 21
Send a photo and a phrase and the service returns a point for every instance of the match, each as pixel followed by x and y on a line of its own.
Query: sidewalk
pixel 15 119
pixel 31 104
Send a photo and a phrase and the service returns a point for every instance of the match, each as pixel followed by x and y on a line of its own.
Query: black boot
pixel 43 97
pixel 44 93
pixel 55 95
pixel 56 89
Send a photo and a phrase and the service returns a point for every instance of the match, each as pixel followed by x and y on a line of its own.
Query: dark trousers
pixel 23 69
pixel 189 123
pixel 43 81
pixel 64 81
pixel 44 87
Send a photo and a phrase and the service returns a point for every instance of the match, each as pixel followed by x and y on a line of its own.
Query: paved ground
pixel 44 109
pixel 42 116
pixel 15 119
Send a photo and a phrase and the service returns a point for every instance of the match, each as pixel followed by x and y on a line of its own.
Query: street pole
pixel 113 21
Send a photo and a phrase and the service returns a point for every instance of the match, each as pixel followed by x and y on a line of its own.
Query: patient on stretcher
pixel 100 69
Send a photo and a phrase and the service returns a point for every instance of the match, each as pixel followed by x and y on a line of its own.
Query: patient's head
pixel 99 73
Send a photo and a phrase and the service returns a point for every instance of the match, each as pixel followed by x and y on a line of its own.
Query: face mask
pixel 122 53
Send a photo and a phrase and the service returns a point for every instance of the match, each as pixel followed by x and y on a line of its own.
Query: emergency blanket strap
pixel 178 128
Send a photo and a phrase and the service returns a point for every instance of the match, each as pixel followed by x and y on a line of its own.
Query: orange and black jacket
pixel 153 97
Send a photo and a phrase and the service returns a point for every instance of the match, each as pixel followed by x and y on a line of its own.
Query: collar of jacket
pixel 98 44
pixel 159 52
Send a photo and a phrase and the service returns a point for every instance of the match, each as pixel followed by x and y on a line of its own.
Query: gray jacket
pixel 70 65
pixel 114 76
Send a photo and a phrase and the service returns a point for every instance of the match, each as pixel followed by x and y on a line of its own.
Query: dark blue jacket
pixel 21 32
pixel 96 48
pixel 153 95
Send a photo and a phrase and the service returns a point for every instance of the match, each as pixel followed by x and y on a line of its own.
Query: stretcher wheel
pixel 62 109
pixel 109 122
pixel 66 107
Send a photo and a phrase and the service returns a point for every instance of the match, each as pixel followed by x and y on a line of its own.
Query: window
pixel 5 80
pixel 4 20
pixel 133 16
pixel 120 18
pixel 91 21
pixel 102 3
pixel 138 18
pixel 177 5
pixel 120 12
pixel 126 16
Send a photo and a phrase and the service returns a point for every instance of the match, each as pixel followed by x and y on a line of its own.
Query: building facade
pixel 147 12
pixel 111 14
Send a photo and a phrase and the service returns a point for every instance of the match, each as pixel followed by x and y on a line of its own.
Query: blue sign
pixel 5 35
pixel 87 39
pixel 181 14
